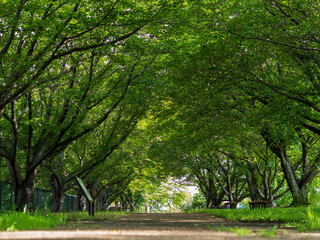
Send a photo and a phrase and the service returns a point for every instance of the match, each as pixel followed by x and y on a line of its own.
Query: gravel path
pixel 173 226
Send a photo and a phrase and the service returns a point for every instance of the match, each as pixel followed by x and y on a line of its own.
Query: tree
pixel 235 81
pixel 47 120
pixel 37 37
pixel 264 176
pixel 283 78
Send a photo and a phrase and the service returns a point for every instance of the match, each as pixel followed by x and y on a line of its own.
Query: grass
pixel 311 220
pixel 270 232
pixel 15 221
pixel 236 230
pixel 260 215
pixel 303 218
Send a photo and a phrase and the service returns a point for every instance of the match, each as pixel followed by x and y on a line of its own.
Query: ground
pixel 163 226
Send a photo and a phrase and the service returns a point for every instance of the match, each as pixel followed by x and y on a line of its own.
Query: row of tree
pixel 75 78
pixel 244 100
pixel 226 92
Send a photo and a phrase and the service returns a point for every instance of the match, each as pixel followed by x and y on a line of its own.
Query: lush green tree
pixel 38 37
pixel 231 82
pixel 44 122
pixel 217 83
pixel 282 77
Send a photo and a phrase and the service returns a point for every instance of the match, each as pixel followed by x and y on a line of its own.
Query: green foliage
pixel 165 196
pixel 15 221
pixel 314 194
pixel 198 201
pixel 200 76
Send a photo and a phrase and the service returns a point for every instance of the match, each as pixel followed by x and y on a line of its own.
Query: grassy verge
pixel 303 218
pixel 15 221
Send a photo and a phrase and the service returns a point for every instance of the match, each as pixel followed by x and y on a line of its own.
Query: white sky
pixel 193 189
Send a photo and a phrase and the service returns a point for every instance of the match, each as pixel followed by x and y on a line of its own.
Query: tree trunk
pixel 24 196
pixel 82 202
pixel 214 201
pixel 299 193
pixel 24 191
pixel 270 203
pixel 251 179
pixel 57 194
pixel 57 201
pixel 253 187
pixel 298 188
pixel 209 203
pixel 300 197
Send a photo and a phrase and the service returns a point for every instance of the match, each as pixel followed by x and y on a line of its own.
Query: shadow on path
pixel 175 221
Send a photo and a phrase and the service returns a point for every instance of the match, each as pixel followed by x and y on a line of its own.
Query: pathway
pixel 174 226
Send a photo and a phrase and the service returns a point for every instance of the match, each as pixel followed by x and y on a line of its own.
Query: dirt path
pixel 176 226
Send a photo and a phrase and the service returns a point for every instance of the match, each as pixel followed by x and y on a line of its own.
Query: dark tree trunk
pixel 57 201
pixel 24 197
pixel 252 183
pixel 24 191
pixel 214 201
pixel 57 194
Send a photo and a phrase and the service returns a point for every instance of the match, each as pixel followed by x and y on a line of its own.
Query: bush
pixel 198 201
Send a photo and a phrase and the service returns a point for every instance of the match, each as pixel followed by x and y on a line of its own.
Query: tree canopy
pixel 224 94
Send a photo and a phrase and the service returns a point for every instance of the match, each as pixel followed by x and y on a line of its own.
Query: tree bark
pixel 24 193
pixel 297 187
pixel 252 183
pixel 82 202
pixel 57 194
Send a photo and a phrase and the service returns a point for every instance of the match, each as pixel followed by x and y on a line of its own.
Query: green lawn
pixel 304 218
pixel 15 221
